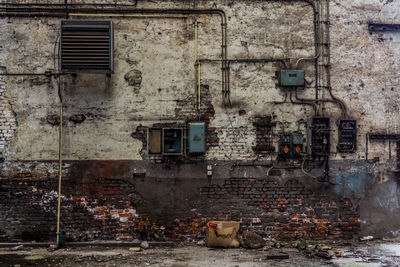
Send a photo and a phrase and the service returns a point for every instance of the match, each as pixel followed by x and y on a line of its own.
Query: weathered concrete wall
pixel 114 190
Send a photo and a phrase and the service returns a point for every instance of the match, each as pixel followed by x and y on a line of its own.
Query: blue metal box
pixel 197 137
pixel 291 78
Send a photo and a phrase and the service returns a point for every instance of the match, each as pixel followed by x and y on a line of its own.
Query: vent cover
pixel 86 46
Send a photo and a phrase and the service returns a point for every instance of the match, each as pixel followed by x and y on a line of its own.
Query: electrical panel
pixel 154 141
pixel 172 141
pixel 285 146
pixel 86 46
pixel 319 132
pixel 347 141
pixel 298 143
pixel 291 146
pixel 291 78
pixel 197 142
pixel 166 141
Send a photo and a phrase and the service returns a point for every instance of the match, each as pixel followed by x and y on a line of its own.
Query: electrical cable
pixel 306 173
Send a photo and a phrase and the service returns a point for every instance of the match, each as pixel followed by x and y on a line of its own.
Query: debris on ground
pixel 302 245
pixel 222 234
pixel 252 240
pixel 322 247
pixel 275 243
pixel 320 250
pixel 201 243
pixel 135 249
pixel 17 248
pixel 366 238
pixel 144 245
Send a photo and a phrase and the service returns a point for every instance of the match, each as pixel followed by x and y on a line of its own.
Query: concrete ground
pixel 377 253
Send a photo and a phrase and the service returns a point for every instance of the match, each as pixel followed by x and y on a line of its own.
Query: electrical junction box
pixel 197 137
pixel 297 145
pixel 285 146
pixel 347 141
pixel 318 130
pixel 154 141
pixel 172 141
pixel 291 145
pixel 291 78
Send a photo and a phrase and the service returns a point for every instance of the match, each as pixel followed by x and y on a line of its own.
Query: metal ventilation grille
pixel 86 46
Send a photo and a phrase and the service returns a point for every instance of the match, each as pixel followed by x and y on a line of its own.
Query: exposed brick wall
pixel 285 211
pixel 26 211
pixel 264 137
pixel 106 209
pixel 91 209
pixel 7 120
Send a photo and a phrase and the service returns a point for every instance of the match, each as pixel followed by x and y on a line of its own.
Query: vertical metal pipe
pixel 198 86
pixel 59 173
pixel 366 146
pixel 195 59
pixel 197 65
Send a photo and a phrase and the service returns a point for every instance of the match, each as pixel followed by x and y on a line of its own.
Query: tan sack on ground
pixel 223 234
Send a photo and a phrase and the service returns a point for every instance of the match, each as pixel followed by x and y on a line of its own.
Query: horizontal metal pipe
pixel 26 74
pixel 70 10
pixel 130 15
pixel 68 4
pixel 245 60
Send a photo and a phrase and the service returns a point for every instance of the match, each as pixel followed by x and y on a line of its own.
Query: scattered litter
pixel 17 248
pixel 135 249
pixel 302 245
pixel 144 245
pixel 201 243
pixel 366 238
pixel 320 247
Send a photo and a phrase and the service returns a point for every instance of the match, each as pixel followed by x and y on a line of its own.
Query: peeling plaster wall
pixel 124 193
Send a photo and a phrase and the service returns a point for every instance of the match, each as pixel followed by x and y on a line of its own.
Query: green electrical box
pixel 292 78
